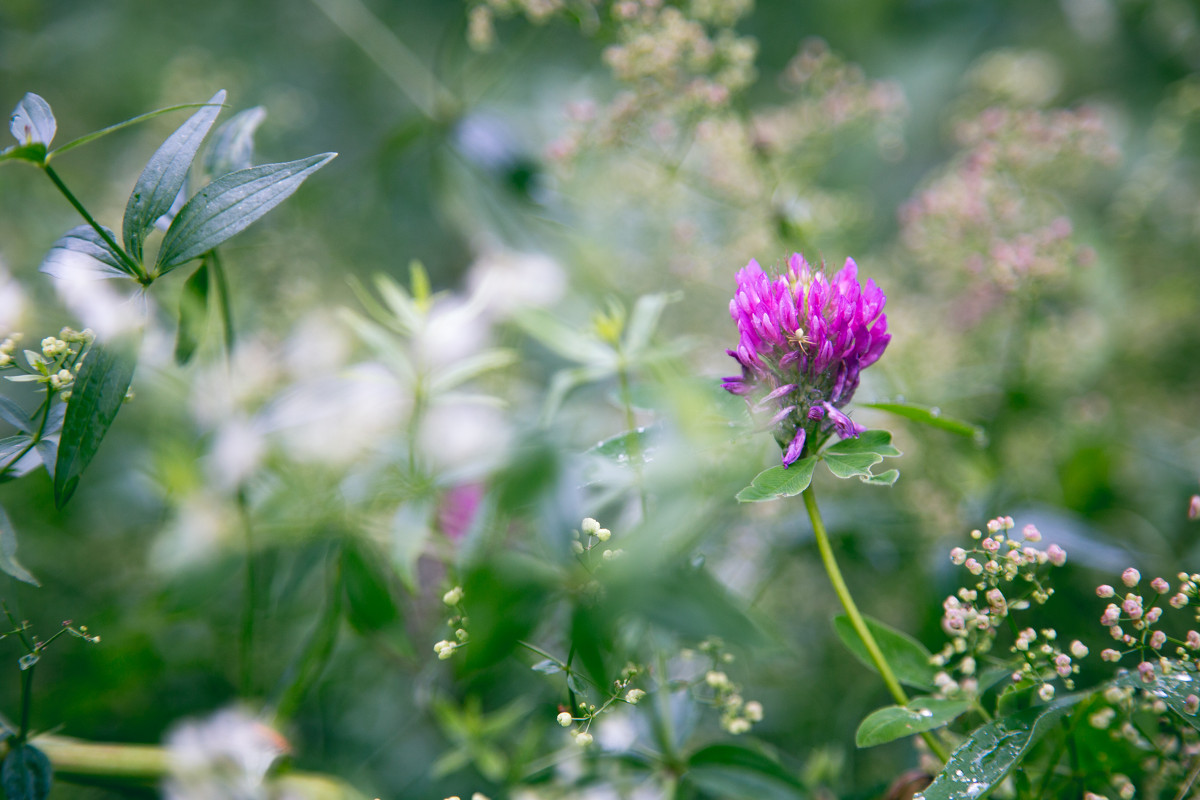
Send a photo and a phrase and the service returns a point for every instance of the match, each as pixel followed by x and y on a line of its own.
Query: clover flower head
pixel 804 339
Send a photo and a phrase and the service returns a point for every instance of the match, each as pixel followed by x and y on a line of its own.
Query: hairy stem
pixel 856 618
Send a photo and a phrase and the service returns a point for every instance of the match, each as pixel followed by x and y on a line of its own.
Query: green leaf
pixel 35 153
pixel 229 205
pixel 627 446
pixel 193 314
pixel 232 146
pixel 470 367
pixel 33 122
pixel 8 551
pixel 932 416
pixel 96 397
pixel 370 607
pixel 14 415
pixel 547 667
pixel 727 770
pixel 9 450
pixel 777 482
pixel 164 175
pixel 567 341
pixel 886 478
pixel 644 319
pixel 907 657
pixel 896 722
pixel 26 773
pixel 1172 688
pixel 82 254
pixel 879 442
pixel 851 464
pixel 993 750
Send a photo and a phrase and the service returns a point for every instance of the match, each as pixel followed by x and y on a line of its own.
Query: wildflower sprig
pixel 714 687
pixel 458 622
pixel 54 366
pixel 1134 623
pixel 1010 575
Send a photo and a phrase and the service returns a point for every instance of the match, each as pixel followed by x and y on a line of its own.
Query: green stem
pixel 26 702
pixel 222 282
pixel 135 268
pixel 36 436
pixel 856 618
pixel 635 449
pixel 250 601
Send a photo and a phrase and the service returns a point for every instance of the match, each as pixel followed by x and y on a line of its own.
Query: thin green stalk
pixel 36 435
pixel 218 271
pixel 137 270
pixel 250 601
pixel 635 449
pixel 856 618
pixel 26 702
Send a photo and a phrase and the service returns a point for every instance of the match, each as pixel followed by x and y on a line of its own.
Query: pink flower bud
pixel 1130 577
pixel 1194 507
pixel 990 544
pixel 1057 555
pixel 1108 654
pixel 1193 640
pixel 1146 670
pixel 1152 615
pixel 1132 606
pixel 958 556
pixel 1159 585
pixel 1178 601
pixel 1111 615
pixel 1158 639
pixel 1191 704
pixel 1104 590
pixel 974 567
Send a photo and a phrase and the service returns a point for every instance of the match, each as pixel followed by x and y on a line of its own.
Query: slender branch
pixel 26 702
pixel 250 599
pixel 635 448
pixel 135 268
pixel 218 271
pixel 856 618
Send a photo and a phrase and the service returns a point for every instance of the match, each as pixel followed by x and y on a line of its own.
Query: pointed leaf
pixel 932 416
pixel 470 367
pixel 165 174
pixel 8 551
pixel 14 415
pixel 777 482
pixel 229 205
pixel 232 146
pixel 26 773
pixel 82 254
pixel 896 722
pixel 96 397
pixel 567 341
pixel 646 313
pixel 907 657
pixel 33 122
pixel 547 667
pixel 886 478
pixel 193 314
pixel 628 446
pixel 993 750
pixel 10 449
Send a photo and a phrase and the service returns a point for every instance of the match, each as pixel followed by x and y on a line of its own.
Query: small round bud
pixel 1159 585
pixel 604 534
pixel 1046 692
pixel 633 696
pixel 1130 577
pixel 590 526
pixel 565 719
pixel 1031 534
pixel 583 738
pixel 453 597
pixel 1079 649
pixel 1108 654
pixel 1057 555
pixel 1104 590
pixel 1158 639
pixel 753 711
pixel 958 556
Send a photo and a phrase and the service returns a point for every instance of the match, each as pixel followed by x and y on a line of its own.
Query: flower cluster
pixel 580 723
pixel 971 618
pixel 591 536
pixel 1132 621
pixel 994 212
pixel 714 687
pixel 55 365
pixel 445 648
pixel 804 339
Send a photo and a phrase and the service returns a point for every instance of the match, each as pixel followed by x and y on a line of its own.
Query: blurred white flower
pixel 334 419
pixel 318 344
pixel 503 281
pixel 453 330
pixel 109 307
pixel 203 522
pixel 12 302
pixel 224 757
pixel 236 452
pixel 221 389
pixel 464 436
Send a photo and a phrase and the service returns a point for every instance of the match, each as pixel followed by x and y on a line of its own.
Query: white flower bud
pixel 453 597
